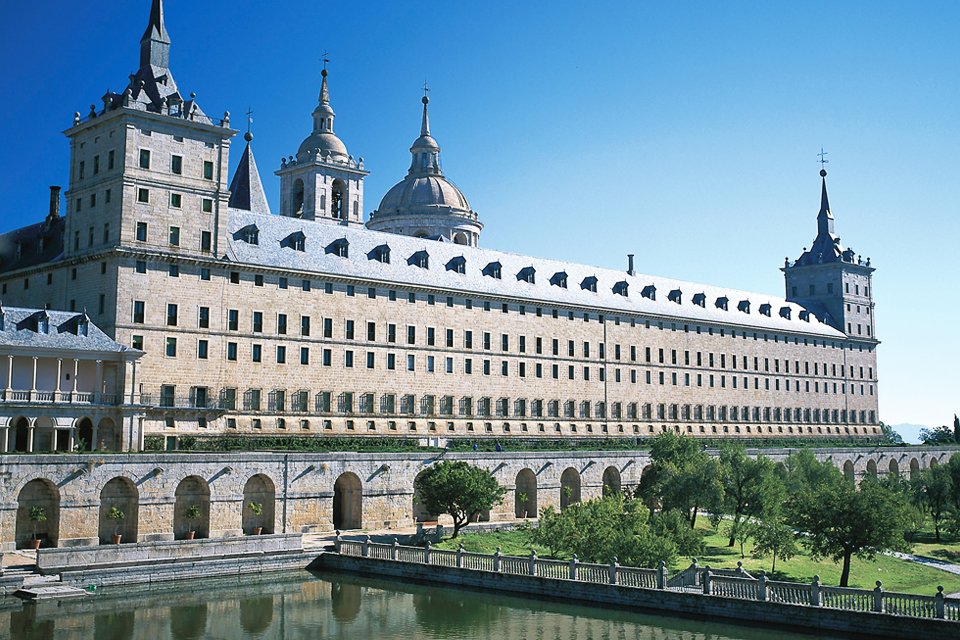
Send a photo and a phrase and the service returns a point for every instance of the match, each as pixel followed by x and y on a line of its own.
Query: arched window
pixel 336 199
pixel 298 197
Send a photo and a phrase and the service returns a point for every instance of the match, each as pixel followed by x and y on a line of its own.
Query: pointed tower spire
pixel 425 124
pixel 155 43
pixel 246 188
pixel 825 217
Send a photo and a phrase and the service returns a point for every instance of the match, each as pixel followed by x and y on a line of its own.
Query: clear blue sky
pixel 683 132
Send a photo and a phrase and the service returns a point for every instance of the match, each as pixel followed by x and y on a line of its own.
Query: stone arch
pixel 914 468
pixel 611 481
pixel 872 468
pixel 420 513
pixel 192 491
pixel 84 430
pixel 20 438
pixel 460 238
pixel 525 494
pixel 46 436
pixel 569 487
pixel 43 494
pixel 848 471
pixel 421 233
pixel 347 502
pixel 121 493
pixel 259 489
pixel 934 462
pixel 894 468
pixel 108 435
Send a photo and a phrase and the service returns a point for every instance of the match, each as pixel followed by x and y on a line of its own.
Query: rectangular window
pixel 304 355
pixel 206 242
pixel 370 360
pixel 282 323
pixel 208 170
pixel 371 331
pixel 138 306
pixel 141 232
pixel 137 342
pixel 176 165
pixel 141 266
pixel 411 335
pixel 204 273
pixel 258 322
pixel 281 354
pixel 206 205
pixel 171 347
pixel 305 285
pixel 282 283
pixel 111 157
pixel 349 329
pixel 203 348
pixel 305 325
pixel 232 351
pixel 203 320
pixel 256 353
pixel 328 327
pixel 174 236
pixel 171 315
pixel 144 158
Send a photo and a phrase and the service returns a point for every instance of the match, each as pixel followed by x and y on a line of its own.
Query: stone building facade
pixel 310 323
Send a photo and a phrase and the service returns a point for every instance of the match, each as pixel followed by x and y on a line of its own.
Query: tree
pixel 458 488
pixel 890 435
pixel 956 428
pixel 933 491
pixel 681 476
pixel 117 516
pixel 774 538
pixel 600 529
pixel 841 521
pixel 940 435
pixel 751 488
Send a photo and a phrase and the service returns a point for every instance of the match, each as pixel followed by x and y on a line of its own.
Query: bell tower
pixel 833 282
pixel 322 182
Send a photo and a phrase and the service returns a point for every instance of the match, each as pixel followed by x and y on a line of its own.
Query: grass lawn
pixel 896 575
pixel 948 549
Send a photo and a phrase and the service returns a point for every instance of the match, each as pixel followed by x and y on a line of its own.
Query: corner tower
pixel 833 282
pixel 426 204
pixel 322 182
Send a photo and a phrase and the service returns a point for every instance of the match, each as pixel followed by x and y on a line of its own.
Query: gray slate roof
pixel 320 257
pixel 20 329
pixel 246 190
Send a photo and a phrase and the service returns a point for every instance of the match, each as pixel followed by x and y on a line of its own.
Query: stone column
pixel 76 369
pixel 94 435
pixel 9 375
pixel 99 389
pixel 56 395
pixel 33 380
pixel 73 438
pixel 6 439
pixel 30 435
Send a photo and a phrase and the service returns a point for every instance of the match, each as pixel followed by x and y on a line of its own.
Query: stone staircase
pixel 24 582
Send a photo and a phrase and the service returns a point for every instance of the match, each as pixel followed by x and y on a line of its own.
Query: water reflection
pixel 305 605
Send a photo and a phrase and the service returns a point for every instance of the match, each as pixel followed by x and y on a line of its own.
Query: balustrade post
pixel 662 575
pixel 337 542
pixel 366 547
pixel 460 551
pixel 762 587
pixel 496 559
pixel 533 562
pixel 707 575
pixel 739 568
pixel 613 570
pixel 426 553
pixel 938 604
pixel 393 549
pixel 816 592
pixel 33 380
pixel 878 597
pixel 695 569
pixel 573 567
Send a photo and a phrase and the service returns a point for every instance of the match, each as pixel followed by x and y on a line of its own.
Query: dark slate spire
pixel 824 218
pixel 155 43
pixel 246 189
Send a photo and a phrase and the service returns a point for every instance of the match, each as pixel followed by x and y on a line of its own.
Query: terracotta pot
pixel 257 531
pixel 190 535
pixel 35 544
pixel 115 538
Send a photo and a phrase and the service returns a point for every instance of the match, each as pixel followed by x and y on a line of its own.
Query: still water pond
pixel 321 605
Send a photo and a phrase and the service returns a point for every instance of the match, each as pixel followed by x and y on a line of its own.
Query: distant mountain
pixel 909 432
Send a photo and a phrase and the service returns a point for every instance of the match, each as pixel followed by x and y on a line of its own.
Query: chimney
pixel 54 203
pixel 630 271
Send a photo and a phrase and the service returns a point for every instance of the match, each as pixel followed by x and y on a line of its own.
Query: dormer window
pixel 457 265
pixel 559 279
pixel 675 296
pixel 527 274
pixel 723 302
pixel 589 284
pixel 744 306
pixel 296 241
pixel 419 259
pixel 3 319
pixel 700 299
pixel 649 292
pixel 805 315
pixel 380 254
pixel 339 248
pixel 43 323
pixel 250 234
pixel 83 325
pixel 493 270
pixel 785 312
pixel 765 309
pixel 621 288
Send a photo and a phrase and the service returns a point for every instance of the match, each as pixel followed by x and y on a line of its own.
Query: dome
pixel 325 141
pixel 421 194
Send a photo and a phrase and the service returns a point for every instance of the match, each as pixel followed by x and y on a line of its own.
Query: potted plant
pixel 37 515
pixel 117 516
pixel 192 514
pixel 257 509
pixel 522 503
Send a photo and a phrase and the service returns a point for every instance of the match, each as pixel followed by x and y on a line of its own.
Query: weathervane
pixel 822 159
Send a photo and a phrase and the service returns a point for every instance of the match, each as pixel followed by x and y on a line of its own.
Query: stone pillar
pixel 614 565
pixel 98 391
pixel 56 395
pixel 76 370
pixel 9 375
pixel 878 597
pixel 94 434
pixel 73 437
pixel 573 567
pixel 533 562
pixel 33 380
pixel 6 439
pixel 30 429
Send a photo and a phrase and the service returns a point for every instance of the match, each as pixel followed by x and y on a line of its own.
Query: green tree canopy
pixel 939 435
pixel 840 520
pixel 458 488
pixel 681 476
pixel 751 487
pixel 933 491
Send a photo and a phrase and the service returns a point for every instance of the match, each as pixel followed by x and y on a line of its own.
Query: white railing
pixel 734 583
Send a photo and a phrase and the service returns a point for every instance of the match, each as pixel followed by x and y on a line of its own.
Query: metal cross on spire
pixel 249 118
pixel 325 59
pixel 822 159
pixel 426 88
